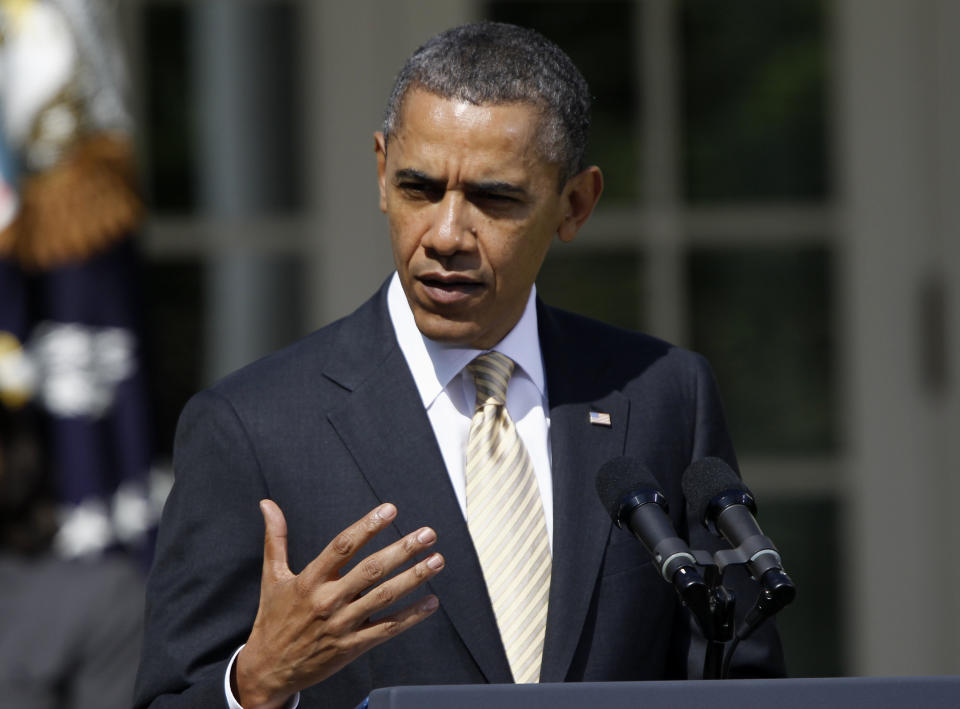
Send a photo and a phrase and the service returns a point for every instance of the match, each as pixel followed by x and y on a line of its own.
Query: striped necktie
pixel 506 521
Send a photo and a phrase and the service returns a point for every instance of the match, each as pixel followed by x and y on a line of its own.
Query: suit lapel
pixel 578 449
pixel 386 429
pixel 383 424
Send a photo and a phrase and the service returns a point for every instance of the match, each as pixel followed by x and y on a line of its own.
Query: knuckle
pixel 409 543
pixel 335 628
pixel 371 568
pixel 385 595
pixel 343 544
pixel 392 628
pixel 323 608
pixel 340 648
pixel 420 571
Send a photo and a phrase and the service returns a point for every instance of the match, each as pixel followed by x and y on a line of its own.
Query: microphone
pixel 721 501
pixel 630 494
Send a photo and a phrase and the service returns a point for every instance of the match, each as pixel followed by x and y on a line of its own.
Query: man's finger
pixel 339 551
pixel 394 589
pixel 375 632
pixel 274 541
pixel 372 570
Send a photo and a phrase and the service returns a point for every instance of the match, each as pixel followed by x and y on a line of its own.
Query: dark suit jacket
pixel 333 426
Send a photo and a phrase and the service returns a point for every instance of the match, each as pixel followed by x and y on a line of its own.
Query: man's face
pixel 472 208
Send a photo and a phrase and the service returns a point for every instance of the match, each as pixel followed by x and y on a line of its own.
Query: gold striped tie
pixel 506 521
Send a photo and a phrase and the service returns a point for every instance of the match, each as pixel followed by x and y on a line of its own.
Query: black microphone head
pixel 622 478
pixel 707 479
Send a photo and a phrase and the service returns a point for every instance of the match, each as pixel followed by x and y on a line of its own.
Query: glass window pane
pixel 175 342
pixel 178 300
pixel 268 101
pixel 273 88
pixel 764 319
pixel 283 300
pixel 603 284
pixel 812 627
pixel 168 129
pixel 754 106
pixel 598 37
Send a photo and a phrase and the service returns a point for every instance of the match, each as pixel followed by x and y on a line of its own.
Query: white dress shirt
pixel 449 395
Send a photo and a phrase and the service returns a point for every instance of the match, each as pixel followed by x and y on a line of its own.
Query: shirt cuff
pixel 228 691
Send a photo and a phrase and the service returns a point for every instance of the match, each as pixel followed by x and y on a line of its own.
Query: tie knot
pixel 491 372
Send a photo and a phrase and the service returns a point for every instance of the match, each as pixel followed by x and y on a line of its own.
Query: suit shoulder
pixel 353 343
pixel 303 359
pixel 605 342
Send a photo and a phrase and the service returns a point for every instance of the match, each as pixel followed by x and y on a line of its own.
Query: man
pixel 480 165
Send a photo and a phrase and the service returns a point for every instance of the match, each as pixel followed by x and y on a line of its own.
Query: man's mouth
pixel 448 289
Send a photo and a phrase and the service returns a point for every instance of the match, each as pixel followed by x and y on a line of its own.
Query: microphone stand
pixel 712 605
pixel 723 603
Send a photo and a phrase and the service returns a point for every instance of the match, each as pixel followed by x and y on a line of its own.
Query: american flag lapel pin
pixel 600 418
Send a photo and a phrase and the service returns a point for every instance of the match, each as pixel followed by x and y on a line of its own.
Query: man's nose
pixel 451 230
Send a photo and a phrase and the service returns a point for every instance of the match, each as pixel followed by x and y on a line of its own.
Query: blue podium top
pixel 822 693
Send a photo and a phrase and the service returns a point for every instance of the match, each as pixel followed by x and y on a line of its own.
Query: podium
pixel 824 693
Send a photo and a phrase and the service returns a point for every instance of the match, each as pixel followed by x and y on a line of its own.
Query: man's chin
pixel 448 331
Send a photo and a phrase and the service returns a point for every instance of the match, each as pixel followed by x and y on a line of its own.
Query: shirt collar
pixel 434 364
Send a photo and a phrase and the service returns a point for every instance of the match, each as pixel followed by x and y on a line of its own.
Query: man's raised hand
pixel 310 625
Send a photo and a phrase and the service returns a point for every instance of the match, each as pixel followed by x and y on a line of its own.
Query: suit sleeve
pixel 202 593
pixel 761 655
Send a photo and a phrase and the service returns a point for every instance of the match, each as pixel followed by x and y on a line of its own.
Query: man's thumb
pixel 274 540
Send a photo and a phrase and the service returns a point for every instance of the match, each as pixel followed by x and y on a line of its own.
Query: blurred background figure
pixel 69 301
pixel 75 449
pixel 70 630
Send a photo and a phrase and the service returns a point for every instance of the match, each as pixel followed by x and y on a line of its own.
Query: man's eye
pixel 497 198
pixel 422 190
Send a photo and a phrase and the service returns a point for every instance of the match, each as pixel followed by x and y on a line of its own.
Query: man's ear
pixel 380 148
pixel 579 197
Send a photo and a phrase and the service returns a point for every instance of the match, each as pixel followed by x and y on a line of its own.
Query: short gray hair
pixel 497 63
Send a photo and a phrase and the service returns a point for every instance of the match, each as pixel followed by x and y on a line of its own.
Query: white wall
pixel 897 97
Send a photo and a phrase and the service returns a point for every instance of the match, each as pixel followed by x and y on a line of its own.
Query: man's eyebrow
pixel 408 173
pixel 489 186
pixel 495 186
